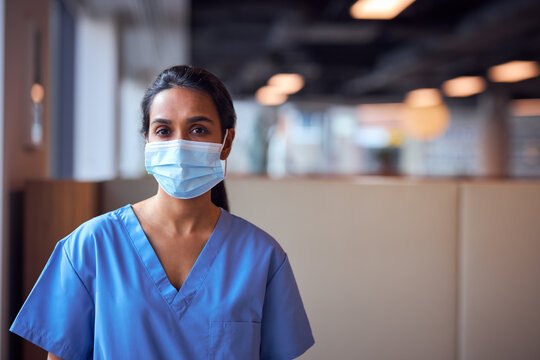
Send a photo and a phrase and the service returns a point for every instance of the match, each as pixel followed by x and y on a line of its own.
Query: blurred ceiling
pixel 246 41
pixel 152 34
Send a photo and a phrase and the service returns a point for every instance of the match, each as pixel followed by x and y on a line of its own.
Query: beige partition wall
pixel 375 262
pixel 398 269
pixel 500 271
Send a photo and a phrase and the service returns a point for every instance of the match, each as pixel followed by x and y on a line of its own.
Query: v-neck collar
pixel 178 300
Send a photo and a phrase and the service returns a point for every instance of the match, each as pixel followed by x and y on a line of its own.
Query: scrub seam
pixel 38 336
pixel 278 270
pixel 203 279
pixel 142 261
pixel 76 273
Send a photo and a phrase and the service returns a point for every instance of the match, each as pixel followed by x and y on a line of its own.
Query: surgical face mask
pixel 185 169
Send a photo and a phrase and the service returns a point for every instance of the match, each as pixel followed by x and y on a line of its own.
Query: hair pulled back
pixel 194 78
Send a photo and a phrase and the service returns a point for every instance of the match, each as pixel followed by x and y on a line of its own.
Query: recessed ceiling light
pixel 423 98
pixel 378 9
pixel 287 83
pixel 514 71
pixel 464 86
pixel 269 96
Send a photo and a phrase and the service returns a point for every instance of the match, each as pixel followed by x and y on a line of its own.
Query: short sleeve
pixel 285 332
pixel 58 314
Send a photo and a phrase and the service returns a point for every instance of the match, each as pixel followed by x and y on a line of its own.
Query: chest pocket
pixel 234 340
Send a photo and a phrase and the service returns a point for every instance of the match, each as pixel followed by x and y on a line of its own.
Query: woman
pixel 174 276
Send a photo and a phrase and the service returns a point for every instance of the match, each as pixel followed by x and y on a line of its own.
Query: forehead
pixel 181 103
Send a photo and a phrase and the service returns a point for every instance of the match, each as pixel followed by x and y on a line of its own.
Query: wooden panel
pixel 52 209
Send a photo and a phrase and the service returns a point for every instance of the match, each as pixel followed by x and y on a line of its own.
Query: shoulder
pixel 96 227
pixel 249 238
pixel 81 244
pixel 245 228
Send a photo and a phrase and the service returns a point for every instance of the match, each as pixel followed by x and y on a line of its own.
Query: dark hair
pixel 197 79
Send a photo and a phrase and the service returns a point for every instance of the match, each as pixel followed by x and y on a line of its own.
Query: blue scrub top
pixel 104 295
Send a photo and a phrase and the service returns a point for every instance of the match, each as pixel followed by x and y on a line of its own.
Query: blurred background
pixel 355 108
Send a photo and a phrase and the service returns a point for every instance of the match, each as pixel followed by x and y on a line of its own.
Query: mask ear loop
pixel 222 145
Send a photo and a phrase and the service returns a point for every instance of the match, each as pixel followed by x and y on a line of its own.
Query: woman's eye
pixel 162 132
pixel 199 130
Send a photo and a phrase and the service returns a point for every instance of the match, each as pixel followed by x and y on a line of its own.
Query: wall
pixel 375 262
pixel 500 271
pixel 96 78
pixel 400 269
pixel 19 163
pixel 2 189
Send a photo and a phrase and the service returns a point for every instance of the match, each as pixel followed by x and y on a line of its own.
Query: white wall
pixel 131 162
pixel 145 49
pixel 96 79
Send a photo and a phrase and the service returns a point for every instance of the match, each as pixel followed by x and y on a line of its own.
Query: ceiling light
pixel 378 9
pixel 287 83
pixel 426 123
pixel 514 71
pixel 423 98
pixel 525 107
pixel 464 86
pixel 37 92
pixel 269 96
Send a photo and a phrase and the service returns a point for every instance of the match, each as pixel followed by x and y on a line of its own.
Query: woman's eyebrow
pixel 162 121
pixel 190 120
pixel 195 119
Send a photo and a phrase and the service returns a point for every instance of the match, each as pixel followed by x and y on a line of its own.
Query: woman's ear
pixel 227 145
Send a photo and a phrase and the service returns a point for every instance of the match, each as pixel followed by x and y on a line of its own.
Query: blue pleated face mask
pixel 185 169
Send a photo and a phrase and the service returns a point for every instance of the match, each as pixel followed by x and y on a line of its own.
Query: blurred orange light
pixel 526 107
pixel 464 86
pixel 37 92
pixel 425 115
pixel 378 9
pixel 287 83
pixel 514 71
pixel 423 98
pixel 426 123
pixel 270 96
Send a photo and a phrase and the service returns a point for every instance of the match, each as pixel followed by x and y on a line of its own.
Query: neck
pixel 185 216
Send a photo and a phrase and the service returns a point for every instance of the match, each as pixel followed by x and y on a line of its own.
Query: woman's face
pixel 185 114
